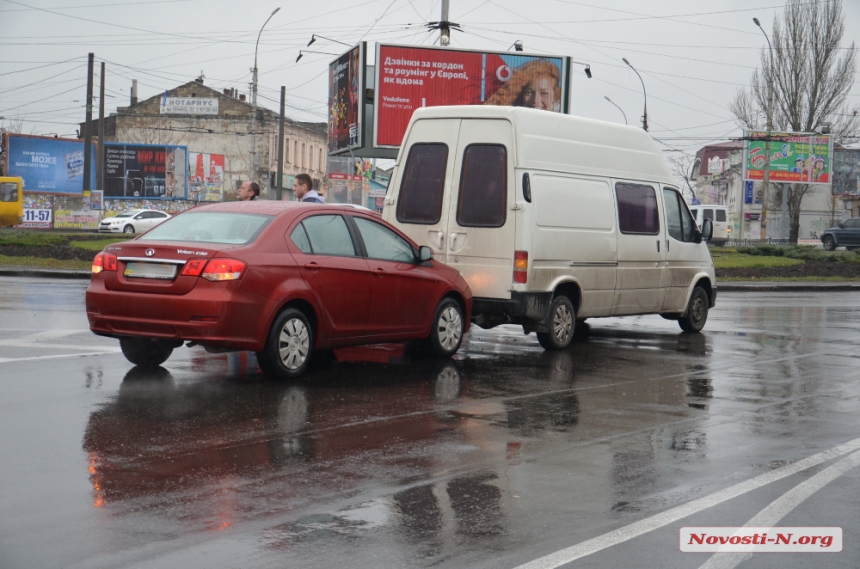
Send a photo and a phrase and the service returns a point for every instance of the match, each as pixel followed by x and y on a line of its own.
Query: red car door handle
pixel 312 266
pixel 378 272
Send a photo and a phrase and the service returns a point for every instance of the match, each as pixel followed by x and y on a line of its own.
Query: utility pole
pixel 444 27
pixel 88 127
pixel 100 164
pixel 767 134
pixel 280 181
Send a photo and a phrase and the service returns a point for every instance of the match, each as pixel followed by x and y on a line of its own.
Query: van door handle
pixel 452 243
pixel 667 245
pixel 658 245
pixel 441 241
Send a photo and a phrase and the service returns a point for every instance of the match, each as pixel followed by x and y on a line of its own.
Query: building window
pixel 287 151
pixel 322 160
pixel 304 156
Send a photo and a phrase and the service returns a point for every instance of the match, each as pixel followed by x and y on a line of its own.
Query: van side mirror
pixel 707 231
pixel 424 253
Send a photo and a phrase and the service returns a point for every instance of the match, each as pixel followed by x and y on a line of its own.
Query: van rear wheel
pixel 562 319
pixel 696 315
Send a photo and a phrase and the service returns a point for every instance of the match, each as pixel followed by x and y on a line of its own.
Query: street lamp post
pixel 769 112
pixel 645 115
pixel 254 100
pixel 619 108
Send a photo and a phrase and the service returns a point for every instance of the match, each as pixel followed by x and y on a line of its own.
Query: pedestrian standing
pixel 249 191
pixel 303 188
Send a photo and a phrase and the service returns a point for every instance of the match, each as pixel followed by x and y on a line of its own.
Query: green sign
pixel 794 158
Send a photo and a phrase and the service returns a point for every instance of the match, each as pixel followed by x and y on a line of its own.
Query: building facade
pixel 718 179
pixel 229 126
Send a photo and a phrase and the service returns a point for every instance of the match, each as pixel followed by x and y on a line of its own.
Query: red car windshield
pixel 210 227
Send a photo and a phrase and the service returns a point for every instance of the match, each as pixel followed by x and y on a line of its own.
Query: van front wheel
pixel 696 315
pixel 562 319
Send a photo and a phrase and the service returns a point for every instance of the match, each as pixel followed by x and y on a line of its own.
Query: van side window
pixel 423 183
pixel 637 209
pixel 721 215
pixel 679 222
pixel 483 186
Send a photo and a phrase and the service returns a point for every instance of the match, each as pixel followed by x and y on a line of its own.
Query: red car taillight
pixel 194 267
pixel 104 262
pixel 521 266
pixel 224 270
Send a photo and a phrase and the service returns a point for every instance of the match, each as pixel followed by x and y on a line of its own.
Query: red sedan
pixel 281 279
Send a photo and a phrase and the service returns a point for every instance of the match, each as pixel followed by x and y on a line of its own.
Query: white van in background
pixel 719 215
pixel 551 218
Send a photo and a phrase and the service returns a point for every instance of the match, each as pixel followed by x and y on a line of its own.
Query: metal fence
pixel 754 242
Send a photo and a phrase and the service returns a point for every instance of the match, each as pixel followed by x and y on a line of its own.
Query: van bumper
pixel 522 306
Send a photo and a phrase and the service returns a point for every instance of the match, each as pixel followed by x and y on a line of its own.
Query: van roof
pixel 566 143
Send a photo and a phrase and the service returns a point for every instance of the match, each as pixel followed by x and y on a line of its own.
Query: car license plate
pixel 137 270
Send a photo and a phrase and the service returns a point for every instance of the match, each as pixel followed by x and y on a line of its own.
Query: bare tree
pixel 811 77
pixel 682 164
pixel 156 131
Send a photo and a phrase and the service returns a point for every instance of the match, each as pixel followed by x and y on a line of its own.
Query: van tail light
pixel 104 262
pixel 521 266
pixel 224 270
pixel 194 267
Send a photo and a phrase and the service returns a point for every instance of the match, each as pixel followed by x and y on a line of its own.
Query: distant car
pixel 846 234
pixel 133 221
pixel 281 279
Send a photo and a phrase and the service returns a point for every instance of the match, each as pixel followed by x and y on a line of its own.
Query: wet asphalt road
pixel 506 455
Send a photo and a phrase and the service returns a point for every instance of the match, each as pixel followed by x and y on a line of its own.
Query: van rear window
pixel 637 209
pixel 420 198
pixel 721 215
pixel 483 186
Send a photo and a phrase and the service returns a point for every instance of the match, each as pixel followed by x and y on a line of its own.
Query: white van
pixel 718 214
pixel 551 218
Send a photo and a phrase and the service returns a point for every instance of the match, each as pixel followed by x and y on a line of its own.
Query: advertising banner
pixel 49 165
pixel 347 180
pixel 411 77
pixel 846 172
pixel 749 192
pixel 345 94
pixel 794 158
pixel 36 218
pixel 205 177
pixel 188 106
pixel 145 171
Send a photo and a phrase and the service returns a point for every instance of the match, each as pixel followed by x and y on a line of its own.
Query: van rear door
pixel 482 226
pixel 420 208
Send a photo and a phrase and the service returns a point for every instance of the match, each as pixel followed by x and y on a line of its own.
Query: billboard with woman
pixel 409 77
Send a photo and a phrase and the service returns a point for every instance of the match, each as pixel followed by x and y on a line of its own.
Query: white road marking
pixel 780 507
pixel 641 527
pixel 104 352
pixel 20 344
pixel 47 335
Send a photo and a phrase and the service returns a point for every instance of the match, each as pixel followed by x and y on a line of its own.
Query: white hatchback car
pixel 133 221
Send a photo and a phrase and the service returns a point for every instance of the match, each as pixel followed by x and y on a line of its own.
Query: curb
pixel 787 286
pixel 44 273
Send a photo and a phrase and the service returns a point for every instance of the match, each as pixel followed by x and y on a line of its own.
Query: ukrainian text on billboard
pixel 50 165
pixel 794 158
pixel 188 106
pixel 413 77
pixel 145 171
pixel 346 84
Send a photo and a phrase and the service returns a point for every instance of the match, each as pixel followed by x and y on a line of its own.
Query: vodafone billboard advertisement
pixel 409 77
pixel 345 94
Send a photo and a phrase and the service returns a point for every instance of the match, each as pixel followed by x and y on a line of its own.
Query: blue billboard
pixel 50 165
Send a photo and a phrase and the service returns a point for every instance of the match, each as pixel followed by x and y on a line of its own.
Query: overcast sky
pixel 693 54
